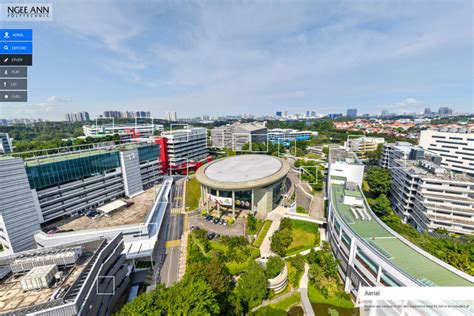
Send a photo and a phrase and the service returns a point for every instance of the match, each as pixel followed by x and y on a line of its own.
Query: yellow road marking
pixel 172 243
pixel 186 222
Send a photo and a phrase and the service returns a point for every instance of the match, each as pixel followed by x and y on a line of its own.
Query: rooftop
pixel 33 158
pixel 415 167
pixel 243 168
pixel 12 295
pixel 343 155
pixel 243 172
pixel 133 214
pixel 407 259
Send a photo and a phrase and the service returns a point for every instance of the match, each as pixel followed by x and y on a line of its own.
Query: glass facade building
pixel 149 153
pixel 43 175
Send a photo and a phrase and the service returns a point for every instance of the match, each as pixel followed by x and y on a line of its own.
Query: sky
pixel 232 57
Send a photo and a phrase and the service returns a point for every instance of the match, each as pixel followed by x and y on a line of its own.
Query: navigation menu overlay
pixel 16 52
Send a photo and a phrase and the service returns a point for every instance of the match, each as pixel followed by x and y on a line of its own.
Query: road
pixel 177 196
pixel 171 238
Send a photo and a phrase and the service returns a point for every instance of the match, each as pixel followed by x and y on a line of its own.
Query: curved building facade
pixel 369 252
pixel 245 182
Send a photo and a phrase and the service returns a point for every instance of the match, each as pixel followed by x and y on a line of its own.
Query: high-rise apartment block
pixel 77 117
pixel 445 111
pixel 171 116
pixel 351 113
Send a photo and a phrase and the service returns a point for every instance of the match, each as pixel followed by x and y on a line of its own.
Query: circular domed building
pixel 245 182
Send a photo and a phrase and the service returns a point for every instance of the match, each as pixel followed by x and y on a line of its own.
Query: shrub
pixel 274 266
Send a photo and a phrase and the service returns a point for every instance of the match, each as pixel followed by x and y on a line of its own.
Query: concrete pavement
pixel 275 216
pixel 307 308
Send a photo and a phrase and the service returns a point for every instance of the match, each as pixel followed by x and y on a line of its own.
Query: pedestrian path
pixel 275 216
pixel 307 308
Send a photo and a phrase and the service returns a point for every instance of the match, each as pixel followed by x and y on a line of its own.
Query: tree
pixel 281 240
pixel 252 287
pixel 252 223
pixel 285 223
pixel 301 209
pixel 143 304
pixel 379 180
pixel 381 206
pixel 216 276
pixel 191 296
pixel 460 261
pixel 274 266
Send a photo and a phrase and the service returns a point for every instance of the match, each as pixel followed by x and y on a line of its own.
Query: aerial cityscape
pixel 231 164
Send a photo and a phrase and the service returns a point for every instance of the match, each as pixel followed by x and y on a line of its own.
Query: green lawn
pixel 286 303
pixel 301 241
pixel 305 236
pixel 193 194
pixel 262 233
pixel 315 296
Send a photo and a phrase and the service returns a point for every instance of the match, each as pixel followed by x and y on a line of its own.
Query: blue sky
pixel 232 57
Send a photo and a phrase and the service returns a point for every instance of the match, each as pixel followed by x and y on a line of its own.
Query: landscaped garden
pixel 294 236
pixel 193 194
pixel 235 252
pixel 261 234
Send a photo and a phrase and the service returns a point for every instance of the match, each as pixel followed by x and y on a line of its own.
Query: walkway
pixel 275 216
pixel 274 300
pixel 307 308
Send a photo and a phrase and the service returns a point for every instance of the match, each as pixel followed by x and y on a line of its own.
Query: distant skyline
pixel 218 58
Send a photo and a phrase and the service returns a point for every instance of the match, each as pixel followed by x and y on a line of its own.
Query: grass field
pixel 304 225
pixel 301 241
pixel 193 194
pixel 286 303
pixel 262 233
pixel 315 296
pixel 305 236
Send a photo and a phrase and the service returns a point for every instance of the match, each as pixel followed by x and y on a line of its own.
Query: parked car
pixel 216 221
pixel 211 236
pixel 209 218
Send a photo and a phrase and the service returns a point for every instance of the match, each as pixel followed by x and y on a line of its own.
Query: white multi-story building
pixel 364 144
pixel 234 136
pixel 77 117
pixel 455 146
pixel 369 252
pixel 277 135
pixel 185 146
pixel 392 151
pixel 428 196
pixel 125 131
pixel 171 116
pixel 345 163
